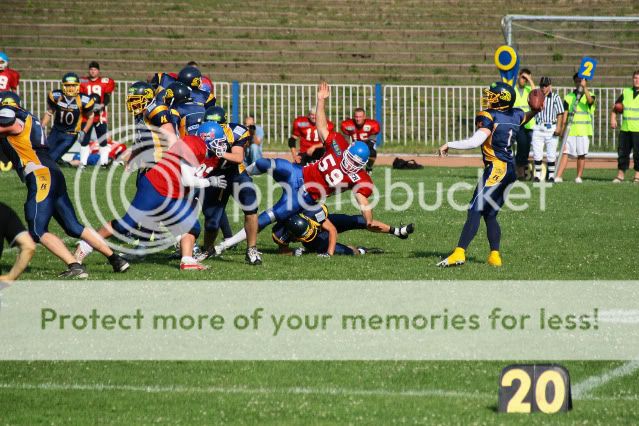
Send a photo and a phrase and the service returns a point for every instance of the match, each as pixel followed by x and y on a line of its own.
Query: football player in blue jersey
pixel 192 78
pixel 497 125
pixel 160 81
pixel 228 160
pixel 317 231
pixel 190 114
pixel 64 108
pixel 22 140
pixel 155 127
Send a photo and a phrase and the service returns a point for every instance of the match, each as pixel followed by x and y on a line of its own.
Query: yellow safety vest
pixel 630 111
pixel 582 121
pixel 521 102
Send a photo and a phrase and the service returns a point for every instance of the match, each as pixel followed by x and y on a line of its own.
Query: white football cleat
pixel 190 264
pixel 578 180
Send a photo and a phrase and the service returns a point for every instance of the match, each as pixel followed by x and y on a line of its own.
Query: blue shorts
pixel 91 161
pixel 150 209
pixel 241 186
pixel 320 245
pixel 59 143
pixel 294 198
pixel 47 198
pixel 490 194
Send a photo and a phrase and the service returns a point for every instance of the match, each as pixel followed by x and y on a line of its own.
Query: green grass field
pixel 587 232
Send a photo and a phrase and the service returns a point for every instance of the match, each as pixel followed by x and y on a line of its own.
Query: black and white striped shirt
pixel 552 108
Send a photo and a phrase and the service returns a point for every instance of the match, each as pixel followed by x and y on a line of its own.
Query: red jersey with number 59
pixel 100 86
pixel 325 176
pixel 364 132
pixel 304 129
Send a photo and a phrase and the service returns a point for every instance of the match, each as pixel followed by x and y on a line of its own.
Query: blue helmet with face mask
pixel 355 158
pixel 214 137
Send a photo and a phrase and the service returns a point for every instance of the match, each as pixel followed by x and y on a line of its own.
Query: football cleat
pixel 370 250
pixel 405 231
pixel 456 258
pixel 191 264
pixel 494 258
pixel 75 270
pixel 253 256
pixel 559 179
pixel 577 180
pixel 119 264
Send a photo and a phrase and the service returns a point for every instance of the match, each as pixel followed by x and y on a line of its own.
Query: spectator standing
pixel 254 151
pixel 581 128
pixel 13 232
pixel 524 86
pixel 547 129
pixel 9 78
pixel 628 105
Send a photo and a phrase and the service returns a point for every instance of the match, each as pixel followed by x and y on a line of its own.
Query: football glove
pixel 298 251
pixel 324 255
pixel 218 181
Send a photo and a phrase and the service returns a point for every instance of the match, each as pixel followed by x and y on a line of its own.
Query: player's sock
pixel 538 169
pixel 85 151
pixel 551 170
pixel 104 155
pixel 493 231
pixel 470 229
pixel 235 239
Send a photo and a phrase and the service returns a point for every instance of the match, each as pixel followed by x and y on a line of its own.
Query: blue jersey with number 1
pixel 503 126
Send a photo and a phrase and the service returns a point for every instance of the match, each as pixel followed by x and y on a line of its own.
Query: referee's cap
pixel 545 81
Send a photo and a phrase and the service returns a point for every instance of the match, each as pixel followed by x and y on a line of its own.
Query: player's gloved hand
pixel 80 136
pixel 298 251
pixel 324 255
pixel 98 107
pixel 218 181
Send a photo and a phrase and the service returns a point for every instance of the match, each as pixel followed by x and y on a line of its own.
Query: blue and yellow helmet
pixel 499 96
pixel 302 228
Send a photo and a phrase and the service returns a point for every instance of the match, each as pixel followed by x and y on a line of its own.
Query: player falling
pixel 496 127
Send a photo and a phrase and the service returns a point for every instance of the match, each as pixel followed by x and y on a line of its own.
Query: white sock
pixel 188 259
pixel 85 247
pixel 104 155
pixel 235 239
pixel 85 151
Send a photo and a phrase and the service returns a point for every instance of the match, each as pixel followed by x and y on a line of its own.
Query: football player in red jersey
pixel 165 194
pixel 9 78
pixel 305 131
pixel 101 88
pixel 361 128
pixel 341 168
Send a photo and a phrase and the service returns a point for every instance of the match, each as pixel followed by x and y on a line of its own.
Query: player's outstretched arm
pixel 478 138
pixel 321 122
pixel 328 226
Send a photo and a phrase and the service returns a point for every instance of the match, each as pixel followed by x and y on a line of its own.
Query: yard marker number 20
pixel 534 388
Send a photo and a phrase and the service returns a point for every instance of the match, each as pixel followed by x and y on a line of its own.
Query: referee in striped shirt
pixel 548 128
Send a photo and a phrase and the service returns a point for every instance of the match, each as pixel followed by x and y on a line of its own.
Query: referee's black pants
pixel 628 141
pixel 523 137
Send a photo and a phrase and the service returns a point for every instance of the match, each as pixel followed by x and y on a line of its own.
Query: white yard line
pixel 97 387
pixel 583 389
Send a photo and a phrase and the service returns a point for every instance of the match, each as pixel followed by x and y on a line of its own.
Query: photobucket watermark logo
pixel 149 218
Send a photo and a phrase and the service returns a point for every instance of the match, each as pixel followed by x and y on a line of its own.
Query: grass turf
pixel 586 232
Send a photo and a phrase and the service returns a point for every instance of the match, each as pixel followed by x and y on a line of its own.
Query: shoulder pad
pixel 56 94
pixel 105 79
pixel 85 98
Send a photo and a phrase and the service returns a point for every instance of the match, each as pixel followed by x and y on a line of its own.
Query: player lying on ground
pixel 165 197
pixel 496 127
pixel 340 169
pixel 23 142
pixel 318 232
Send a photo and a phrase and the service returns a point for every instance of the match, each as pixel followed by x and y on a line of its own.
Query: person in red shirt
pixel 361 128
pixel 9 78
pixel 305 131
pixel 166 196
pixel 101 89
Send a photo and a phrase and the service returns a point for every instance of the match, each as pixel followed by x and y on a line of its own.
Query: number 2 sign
pixel 587 68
